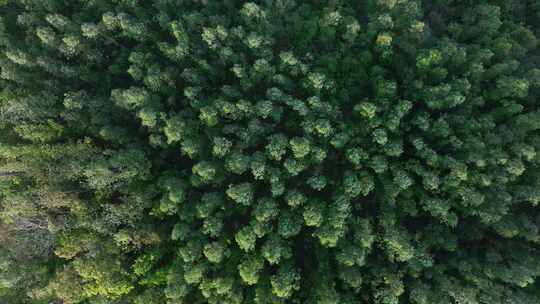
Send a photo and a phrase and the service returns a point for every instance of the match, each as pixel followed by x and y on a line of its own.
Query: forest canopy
pixel 269 152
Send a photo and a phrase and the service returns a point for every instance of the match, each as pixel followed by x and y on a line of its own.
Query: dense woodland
pixel 269 152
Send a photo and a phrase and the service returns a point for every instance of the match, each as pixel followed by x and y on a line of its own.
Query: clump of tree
pixel 273 151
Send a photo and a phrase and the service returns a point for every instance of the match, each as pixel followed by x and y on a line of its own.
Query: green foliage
pixel 269 152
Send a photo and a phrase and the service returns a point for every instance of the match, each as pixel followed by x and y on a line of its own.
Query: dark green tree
pixel 273 151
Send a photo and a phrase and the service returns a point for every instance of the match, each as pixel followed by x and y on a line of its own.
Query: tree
pixel 342 151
